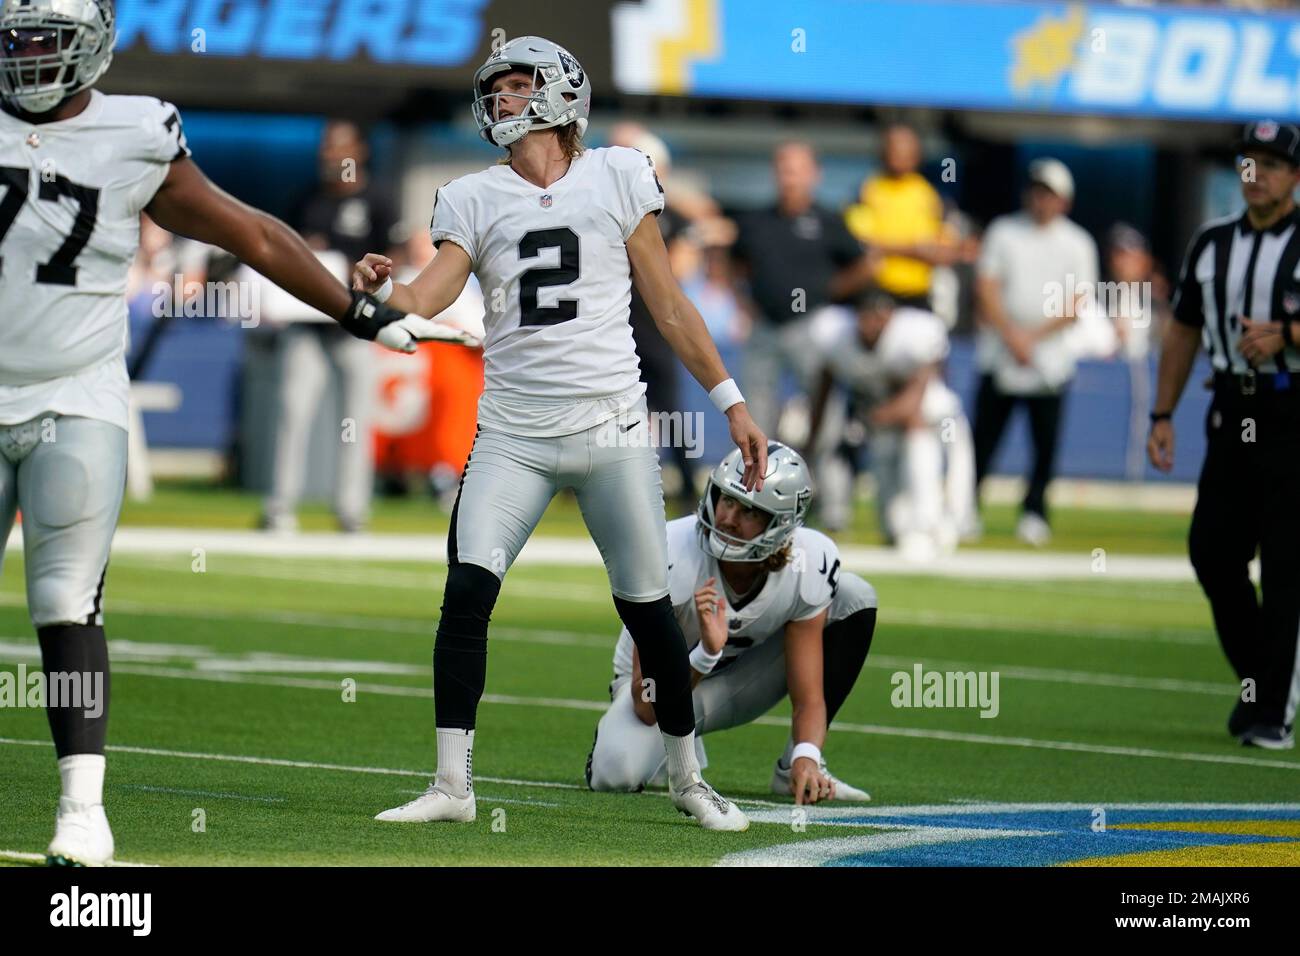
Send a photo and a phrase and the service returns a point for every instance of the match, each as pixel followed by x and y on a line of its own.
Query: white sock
pixel 455 761
pixel 683 768
pixel 82 778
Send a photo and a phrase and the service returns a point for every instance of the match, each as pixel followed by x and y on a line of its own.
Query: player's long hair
pixel 569 138
pixel 776 560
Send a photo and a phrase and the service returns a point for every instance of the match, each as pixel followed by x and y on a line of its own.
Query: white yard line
pixel 1020 565
pixel 595 706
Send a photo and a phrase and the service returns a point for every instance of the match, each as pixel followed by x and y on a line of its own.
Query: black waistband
pixel 1253 383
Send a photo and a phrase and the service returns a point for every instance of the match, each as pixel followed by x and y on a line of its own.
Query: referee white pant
pixel 510 480
pixel 67 474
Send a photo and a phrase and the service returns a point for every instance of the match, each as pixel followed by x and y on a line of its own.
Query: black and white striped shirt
pixel 1232 270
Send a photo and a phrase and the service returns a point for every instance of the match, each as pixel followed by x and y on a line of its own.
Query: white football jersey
pixel 804 588
pixel 556 281
pixel 73 191
pixel 912 339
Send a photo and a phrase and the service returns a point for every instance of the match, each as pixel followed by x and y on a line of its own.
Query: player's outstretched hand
pixel 406 332
pixel 369 274
pixel 808 783
pixel 369 319
pixel 751 441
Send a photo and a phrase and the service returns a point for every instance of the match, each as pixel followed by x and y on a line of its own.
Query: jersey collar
pixel 1279 227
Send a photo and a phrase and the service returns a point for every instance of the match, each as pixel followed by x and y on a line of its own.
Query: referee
pixel 1239 293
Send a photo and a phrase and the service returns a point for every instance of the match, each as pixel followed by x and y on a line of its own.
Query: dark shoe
pixel 1241 719
pixel 1270 737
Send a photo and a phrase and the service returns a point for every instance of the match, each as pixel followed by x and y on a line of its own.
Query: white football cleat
pixel 843 791
pixel 402 335
pixel 434 804
pixel 82 836
pixel 711 809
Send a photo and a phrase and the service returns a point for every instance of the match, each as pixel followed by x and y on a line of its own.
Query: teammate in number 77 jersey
pixel 77 168
pixel 556 236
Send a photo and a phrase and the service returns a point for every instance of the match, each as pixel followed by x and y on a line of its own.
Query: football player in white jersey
pixel 769 614
pixel 556 234
pixel 920 445
pixel 77 168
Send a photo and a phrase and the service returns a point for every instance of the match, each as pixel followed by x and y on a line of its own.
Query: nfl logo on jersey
pixel 546 200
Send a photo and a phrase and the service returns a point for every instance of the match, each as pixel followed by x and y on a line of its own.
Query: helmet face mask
pixel 786 495
pixel 561 91
pixel 51 49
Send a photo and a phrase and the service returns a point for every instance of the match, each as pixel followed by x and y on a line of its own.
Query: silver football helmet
pixel 561 90
pixel 786 494
pixel 50 49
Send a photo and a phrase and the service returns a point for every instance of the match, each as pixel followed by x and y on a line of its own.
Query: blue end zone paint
pixel 1067 835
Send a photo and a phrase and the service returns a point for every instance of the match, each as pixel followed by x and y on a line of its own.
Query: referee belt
pixel 1250 382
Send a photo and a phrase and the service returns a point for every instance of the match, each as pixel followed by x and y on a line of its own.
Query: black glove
pixel 367 315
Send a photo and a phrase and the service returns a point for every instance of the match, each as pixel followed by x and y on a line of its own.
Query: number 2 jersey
pixel 73 191
pixel 806 586
pixel 559 355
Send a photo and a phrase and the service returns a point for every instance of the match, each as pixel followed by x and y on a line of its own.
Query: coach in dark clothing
pixel 346 215
pixel 1238 293
pixel 792 258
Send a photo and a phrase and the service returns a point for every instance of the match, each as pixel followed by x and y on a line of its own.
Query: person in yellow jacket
pixel 901 216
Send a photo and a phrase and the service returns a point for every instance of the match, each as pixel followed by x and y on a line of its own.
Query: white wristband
pixel 725 394
pixel 385 290
pixel 806 749
pixel 702 660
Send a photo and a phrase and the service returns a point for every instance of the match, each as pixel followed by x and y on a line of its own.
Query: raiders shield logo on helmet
pixel 571 68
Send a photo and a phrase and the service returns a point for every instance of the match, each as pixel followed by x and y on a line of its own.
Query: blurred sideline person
pixel 791 258
pixel 1139 321
pixel 348 215
pixel 770 614
pixel 901 217
pixel 67 250
pixel 1021 352
pixel 562 232
pixel 658 361
pixel 919 442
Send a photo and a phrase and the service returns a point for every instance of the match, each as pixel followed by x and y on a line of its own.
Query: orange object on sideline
pixel 427 409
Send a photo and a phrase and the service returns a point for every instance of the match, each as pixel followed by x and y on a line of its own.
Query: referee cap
pixel 1270 136
pixel 1053 174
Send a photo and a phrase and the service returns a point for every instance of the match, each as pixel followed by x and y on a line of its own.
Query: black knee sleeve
pixel 460 650
pixel 662 649
pixel 75 660
pixel 845 645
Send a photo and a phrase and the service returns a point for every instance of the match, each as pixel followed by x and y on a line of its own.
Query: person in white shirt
pixel 770 614
pixel 556 236
pixel 1036 269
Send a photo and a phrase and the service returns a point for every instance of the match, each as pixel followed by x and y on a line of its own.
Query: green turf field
pixel 197 504
pixel 227 700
